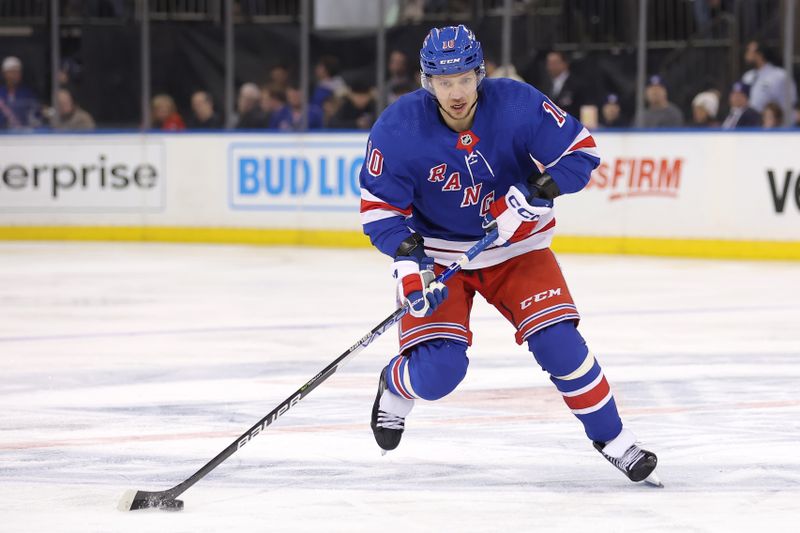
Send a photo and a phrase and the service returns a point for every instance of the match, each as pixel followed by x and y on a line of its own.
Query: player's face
pixel 456 93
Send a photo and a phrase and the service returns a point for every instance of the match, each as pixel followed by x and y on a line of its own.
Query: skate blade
pixel 383 452
pixel 654 481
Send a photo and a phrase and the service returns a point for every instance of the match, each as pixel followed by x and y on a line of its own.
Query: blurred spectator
pixel 490 64
pixel 611 113
pixel 589 116
pixel 279 77
pixel 405 88
pixel 564 89
pixel 796 115
pixel 413 11
pixel 329 108
pixel 70 115
pixel 493 70
pixel 203 115
pixel 269 102
pixel 248 105
pixel 357 111
pixel 767 82
pixel 660 112
pixel 290 117
pixel 328 80
pixel 69 75
pixel 265 102
pixel 741 114
pixel 705 106
pixel 399 76
pixel 19 106
pixel 506 71
pixel 273 100
pixel 772 117
pixel 165 115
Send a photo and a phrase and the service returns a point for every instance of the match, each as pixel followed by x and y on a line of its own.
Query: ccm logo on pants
pixel 544 295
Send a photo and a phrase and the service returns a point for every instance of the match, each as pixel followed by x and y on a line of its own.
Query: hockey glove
pixel 416 285
pixel 516 214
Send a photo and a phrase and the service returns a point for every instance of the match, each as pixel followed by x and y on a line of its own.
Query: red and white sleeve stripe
pixel 374 209
pixel 584 142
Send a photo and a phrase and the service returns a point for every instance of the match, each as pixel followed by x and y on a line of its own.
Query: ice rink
pixel 129 366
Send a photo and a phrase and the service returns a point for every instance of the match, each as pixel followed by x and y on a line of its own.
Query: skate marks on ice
pixel 516 438
pixel 113 382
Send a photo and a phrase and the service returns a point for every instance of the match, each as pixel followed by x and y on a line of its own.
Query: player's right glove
pixel 516 214
pixel 416 285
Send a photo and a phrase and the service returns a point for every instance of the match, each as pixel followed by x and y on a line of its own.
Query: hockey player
pixel 443 165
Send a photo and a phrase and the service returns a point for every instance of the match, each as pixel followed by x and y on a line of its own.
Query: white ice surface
pixel 128 366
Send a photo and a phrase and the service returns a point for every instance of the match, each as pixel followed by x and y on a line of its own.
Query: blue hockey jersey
pixel 421 176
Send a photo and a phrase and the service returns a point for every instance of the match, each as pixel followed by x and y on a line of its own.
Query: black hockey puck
pixel 171 505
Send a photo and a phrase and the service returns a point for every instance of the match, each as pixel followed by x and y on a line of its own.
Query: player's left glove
pixel 516 214
pixel 416 285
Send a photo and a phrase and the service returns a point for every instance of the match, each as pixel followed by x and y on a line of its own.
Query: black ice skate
pixel 389 416
pixel 636 463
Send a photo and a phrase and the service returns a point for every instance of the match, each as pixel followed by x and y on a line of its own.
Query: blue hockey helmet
pixel 450 50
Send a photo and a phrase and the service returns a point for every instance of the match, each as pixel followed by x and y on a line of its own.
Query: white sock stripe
pixel 397 379
pixel 596 407
pixel 582 370
pixel 406 377
pixel 439 335
pixel 596 381
pixel 556 320
pixel 551 309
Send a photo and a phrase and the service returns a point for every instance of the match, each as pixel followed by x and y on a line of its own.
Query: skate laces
pixel 631 456
pixel 390 421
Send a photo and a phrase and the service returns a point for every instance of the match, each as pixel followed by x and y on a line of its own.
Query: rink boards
pixel 716 194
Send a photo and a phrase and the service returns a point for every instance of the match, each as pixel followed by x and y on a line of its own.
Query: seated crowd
pixel 755 101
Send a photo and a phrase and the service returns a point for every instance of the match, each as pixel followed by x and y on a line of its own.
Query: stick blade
pixel 139 499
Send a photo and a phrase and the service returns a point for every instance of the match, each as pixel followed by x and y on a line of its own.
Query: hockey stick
pixel 166 499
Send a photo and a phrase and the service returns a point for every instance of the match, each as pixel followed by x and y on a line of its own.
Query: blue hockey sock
pixel 429 370
pixel 562 352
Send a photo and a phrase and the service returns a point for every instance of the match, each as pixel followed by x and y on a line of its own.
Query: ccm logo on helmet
pixel 450 61
pixel 544 295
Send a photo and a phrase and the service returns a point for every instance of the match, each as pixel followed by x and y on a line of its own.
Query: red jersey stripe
pixel 367 205
pixel 588 142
